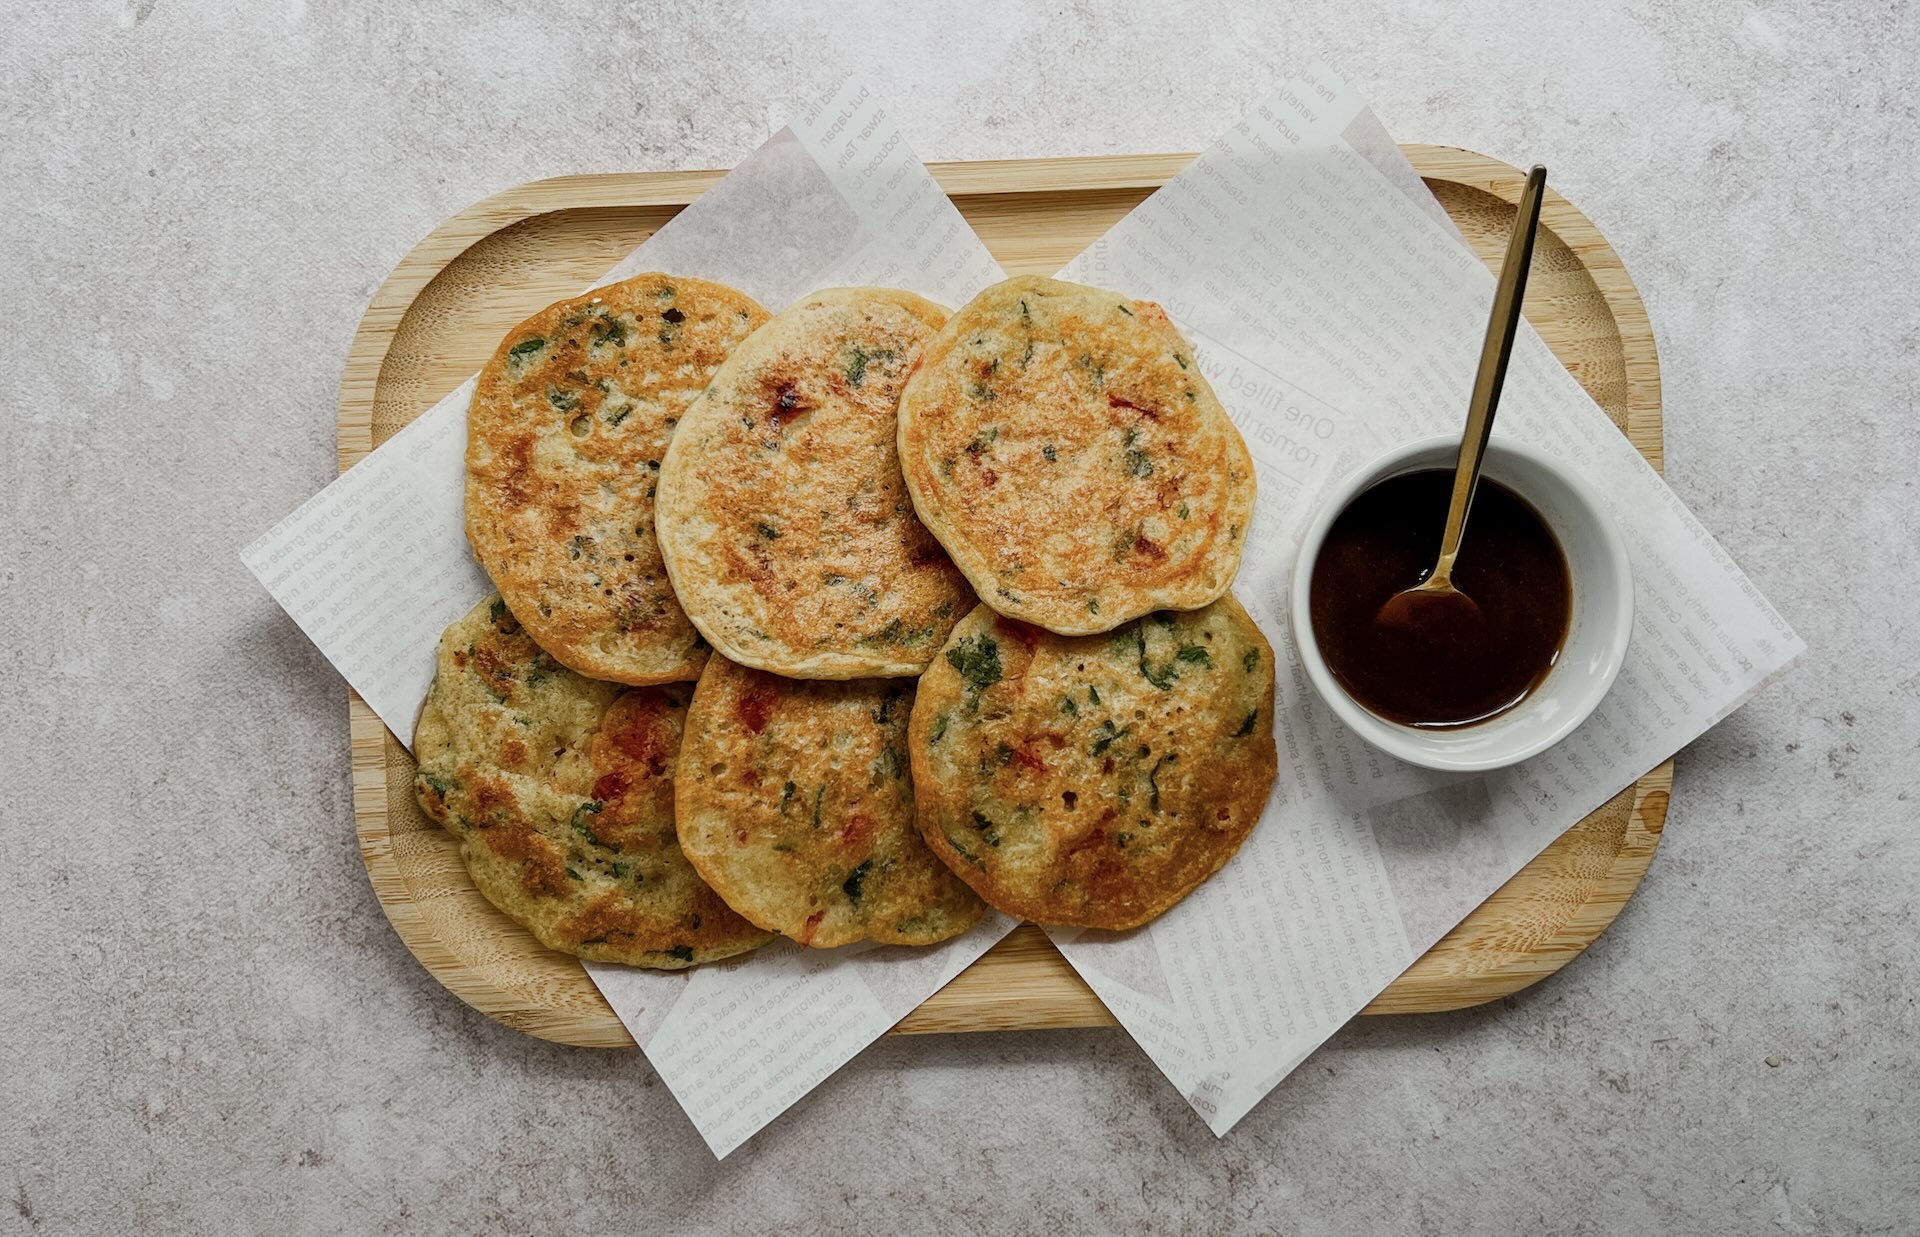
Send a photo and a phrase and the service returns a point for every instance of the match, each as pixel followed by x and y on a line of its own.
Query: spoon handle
pixel 1502 324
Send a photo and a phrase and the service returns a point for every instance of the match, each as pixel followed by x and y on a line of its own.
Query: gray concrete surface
pixel 206 1025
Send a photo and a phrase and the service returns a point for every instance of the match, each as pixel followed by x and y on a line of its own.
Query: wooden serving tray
pixel 443 310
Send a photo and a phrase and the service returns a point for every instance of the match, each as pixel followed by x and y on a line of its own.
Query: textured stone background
pixel 206 1025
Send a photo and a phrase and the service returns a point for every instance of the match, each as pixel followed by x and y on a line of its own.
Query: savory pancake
pixel 786 528
pixel 1061 443
pixel 1094 780
pixel 560 789
pixel 565 435
pixel 794 802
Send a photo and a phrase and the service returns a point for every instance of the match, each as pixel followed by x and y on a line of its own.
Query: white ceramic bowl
pixel 1597 633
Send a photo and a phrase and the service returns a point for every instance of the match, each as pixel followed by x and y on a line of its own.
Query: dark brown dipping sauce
pixel 1449 674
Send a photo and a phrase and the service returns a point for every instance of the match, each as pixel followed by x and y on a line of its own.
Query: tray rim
pixel 1412 992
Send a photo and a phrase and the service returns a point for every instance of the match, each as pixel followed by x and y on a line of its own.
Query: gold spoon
pixel 1434 604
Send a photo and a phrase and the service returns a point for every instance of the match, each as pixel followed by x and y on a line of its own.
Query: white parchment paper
pixel 1337 312
pixel 376 566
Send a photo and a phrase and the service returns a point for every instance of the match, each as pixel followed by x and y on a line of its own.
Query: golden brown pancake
pixel 565 435
pixel 1094 780
pixel 560 789
pixel 1061 443
pixel 786 527
pixel 794 802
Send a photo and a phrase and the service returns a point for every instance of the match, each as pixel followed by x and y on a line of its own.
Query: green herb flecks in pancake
pixel 560 789
pixel 783 518
pixel 1094 780
pixel 565 435
pixel 795 801
pixel 1076 466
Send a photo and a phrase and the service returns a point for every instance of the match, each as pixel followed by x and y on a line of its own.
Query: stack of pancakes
pixel 951 592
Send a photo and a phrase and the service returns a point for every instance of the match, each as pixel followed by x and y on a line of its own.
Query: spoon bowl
pixel 1439 615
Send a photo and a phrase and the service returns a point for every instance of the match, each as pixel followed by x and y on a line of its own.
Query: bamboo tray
pixel 443 309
